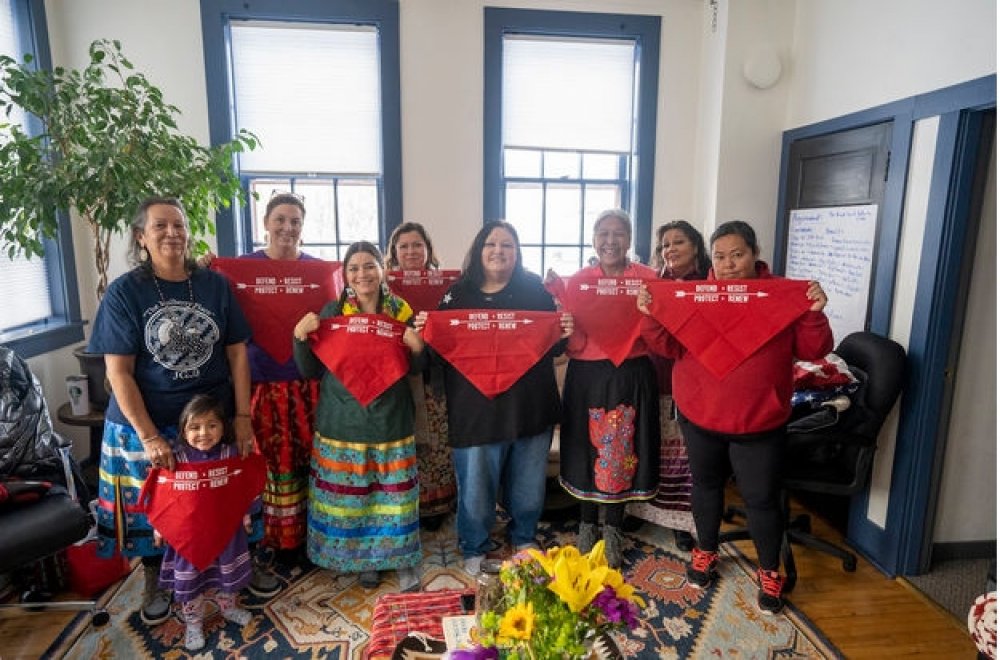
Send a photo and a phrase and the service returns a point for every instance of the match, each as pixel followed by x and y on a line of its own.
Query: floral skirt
pixel 609 440
pixel 283 415
pixel 671 508
pixel 120 522
pixel 438 488
pixel 363 505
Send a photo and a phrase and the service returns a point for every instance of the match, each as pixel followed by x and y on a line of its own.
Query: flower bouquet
pixel 554 605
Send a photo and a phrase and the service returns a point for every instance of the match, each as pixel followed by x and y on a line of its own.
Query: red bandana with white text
pixel 422 289
pixel 198 507
pixel 604 309
pixel 364 351
pixel 492 348
pixel 275 293
pixel 723 322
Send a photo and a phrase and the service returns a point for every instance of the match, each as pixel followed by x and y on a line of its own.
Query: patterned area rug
pixel 321 614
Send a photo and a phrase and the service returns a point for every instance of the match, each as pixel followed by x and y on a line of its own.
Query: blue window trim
pixel 382 14
pixel 644 29
pixel 65 326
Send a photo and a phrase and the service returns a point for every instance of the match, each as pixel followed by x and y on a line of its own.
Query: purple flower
pixel 617 610
pixel 476 653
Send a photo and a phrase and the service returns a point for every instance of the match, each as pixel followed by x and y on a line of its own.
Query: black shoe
pixel 155 601
pixel 369 579
pixel 263 583
pixel 701 572
pixel 769 600
pixel 683 540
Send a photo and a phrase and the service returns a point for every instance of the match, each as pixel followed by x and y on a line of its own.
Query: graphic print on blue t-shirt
pixel 180 336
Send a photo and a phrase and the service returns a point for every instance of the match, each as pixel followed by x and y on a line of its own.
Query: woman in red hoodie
pixel 736 424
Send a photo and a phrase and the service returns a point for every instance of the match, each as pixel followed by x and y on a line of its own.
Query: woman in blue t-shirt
pixel 168 330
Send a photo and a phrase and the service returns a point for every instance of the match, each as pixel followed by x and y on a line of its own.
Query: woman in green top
pixel 363 521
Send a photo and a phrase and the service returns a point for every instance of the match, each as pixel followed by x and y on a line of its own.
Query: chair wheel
pixel 100 618
pixel 850 564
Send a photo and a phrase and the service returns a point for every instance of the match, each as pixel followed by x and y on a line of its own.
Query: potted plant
pixel 105 140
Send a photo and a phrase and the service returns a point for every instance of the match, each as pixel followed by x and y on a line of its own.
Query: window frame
pixel 645 30
pixel 65 325
pixel 234 237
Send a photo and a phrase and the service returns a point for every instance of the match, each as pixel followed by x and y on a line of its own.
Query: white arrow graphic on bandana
pixel 258 287
pixel 491 322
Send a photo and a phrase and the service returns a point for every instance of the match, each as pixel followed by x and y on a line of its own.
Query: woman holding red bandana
pixel 736 423
pixel 363 494
pixel 680 254
pixel 610 434
pixel 410 249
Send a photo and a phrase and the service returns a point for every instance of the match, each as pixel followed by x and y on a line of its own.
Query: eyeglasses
pixel 282 193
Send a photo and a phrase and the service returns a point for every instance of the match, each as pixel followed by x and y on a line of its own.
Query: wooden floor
pixel 865 614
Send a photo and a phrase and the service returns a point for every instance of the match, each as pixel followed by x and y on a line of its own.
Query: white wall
pixel 855 54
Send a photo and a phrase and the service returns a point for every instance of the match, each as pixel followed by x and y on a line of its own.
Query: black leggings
pixel 756 461
pixel 614 513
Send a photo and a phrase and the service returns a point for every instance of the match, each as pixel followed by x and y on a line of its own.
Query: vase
pixel 92 366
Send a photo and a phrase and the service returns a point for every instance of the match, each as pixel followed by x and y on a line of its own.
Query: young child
pixel 204 436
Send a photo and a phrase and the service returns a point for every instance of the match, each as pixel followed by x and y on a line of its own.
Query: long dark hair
pixel 392 259
pixel 353 249
pixel 472 268
pixel 205 404
pixel 702 262
pixel 139 225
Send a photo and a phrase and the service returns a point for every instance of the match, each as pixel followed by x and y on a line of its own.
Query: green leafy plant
pixel 106 139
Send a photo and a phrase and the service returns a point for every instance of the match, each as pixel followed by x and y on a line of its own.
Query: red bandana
pixel 275 293
pixel 364 351
pixel 198 507
pixel 422 289
pixel 603 308
pixel 723 322
pixel 493 348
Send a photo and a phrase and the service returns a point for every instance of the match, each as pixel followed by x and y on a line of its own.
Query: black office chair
pixel 834 456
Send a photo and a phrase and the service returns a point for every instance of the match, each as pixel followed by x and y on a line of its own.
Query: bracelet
pixel 146 441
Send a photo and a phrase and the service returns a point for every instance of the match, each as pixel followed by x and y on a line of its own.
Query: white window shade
pixel 24 292
pixel 311 94
pixel 24 285
pixel 568 93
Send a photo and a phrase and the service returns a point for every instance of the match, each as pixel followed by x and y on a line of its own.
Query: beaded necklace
pixel 163 299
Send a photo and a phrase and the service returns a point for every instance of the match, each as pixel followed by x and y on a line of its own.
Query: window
pixel 570 116
pixel 41 309
pixel 318 83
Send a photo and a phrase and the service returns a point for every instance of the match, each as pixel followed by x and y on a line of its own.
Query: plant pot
pixel 92 365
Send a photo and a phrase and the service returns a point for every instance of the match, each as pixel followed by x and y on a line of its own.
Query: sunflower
pixel 517 623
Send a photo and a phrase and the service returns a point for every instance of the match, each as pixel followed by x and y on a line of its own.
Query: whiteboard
pixel 836 247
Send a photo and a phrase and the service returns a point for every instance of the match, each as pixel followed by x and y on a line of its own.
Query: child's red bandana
pixel 604 309
pixel 492 348
pixel 422 289
pixel 364 351
pixel 198 507
pixel 723 322
pixel 275 293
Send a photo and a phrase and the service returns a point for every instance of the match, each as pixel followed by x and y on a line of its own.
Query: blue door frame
pixel 902 547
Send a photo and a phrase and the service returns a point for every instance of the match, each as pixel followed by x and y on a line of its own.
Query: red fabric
pixel 724 322
pixel 397 615
pixel 492 348
pixel 364 351
pixel 823 374
pixel 90 574
pixel 275 293
pixel 198 507
pixel 604 310
pixel 422 289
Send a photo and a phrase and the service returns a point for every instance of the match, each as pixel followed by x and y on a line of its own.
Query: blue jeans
pixel 515 466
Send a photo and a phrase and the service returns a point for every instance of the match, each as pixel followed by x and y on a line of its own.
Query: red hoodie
pixel 755 396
